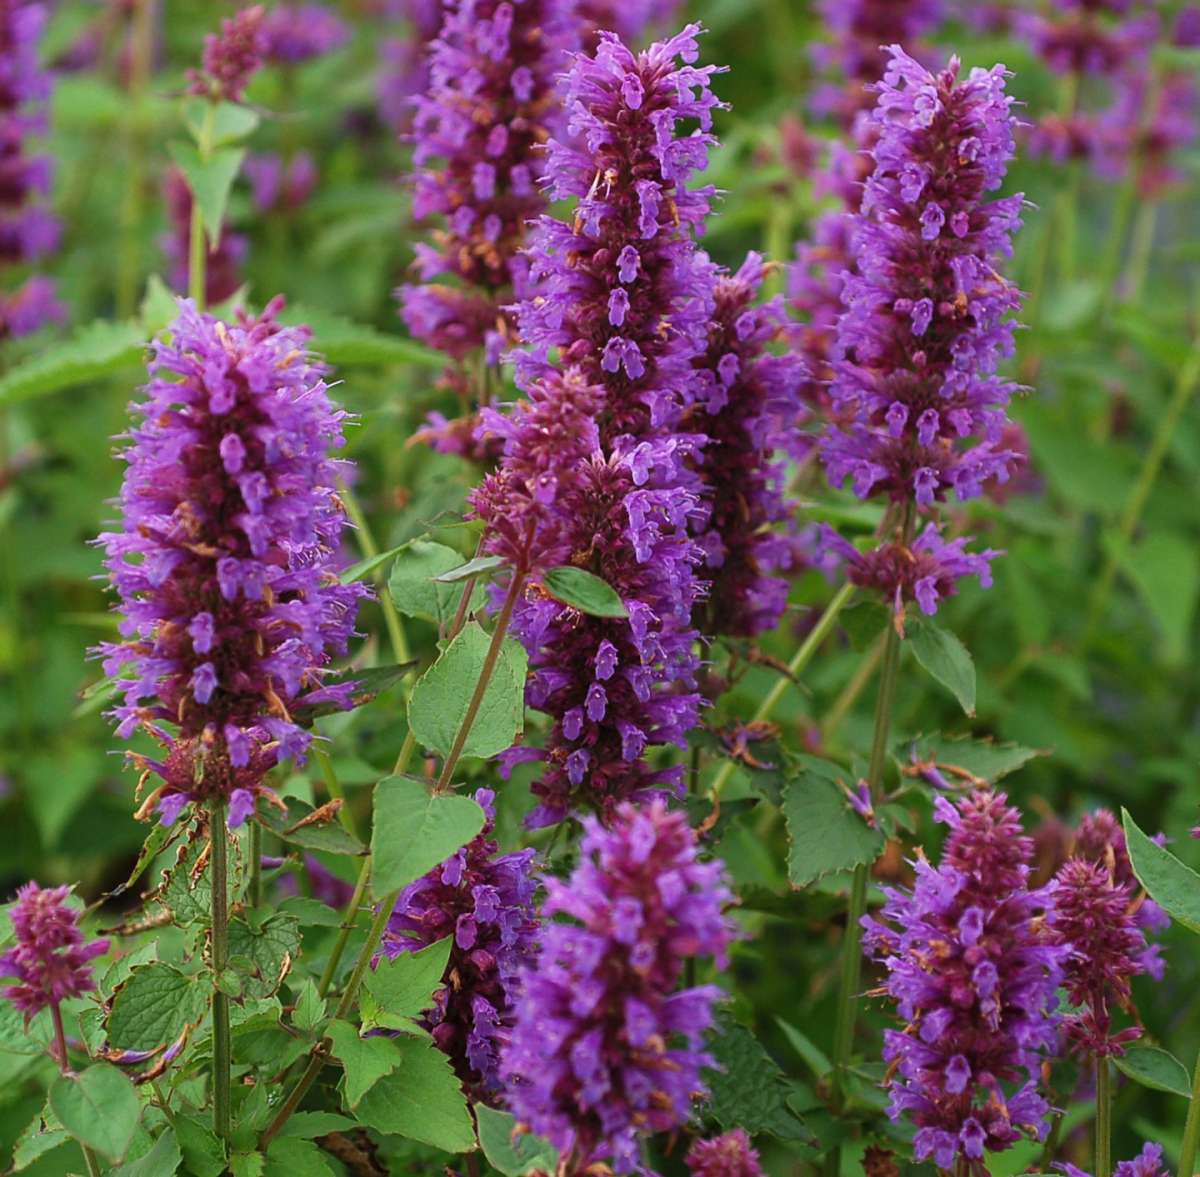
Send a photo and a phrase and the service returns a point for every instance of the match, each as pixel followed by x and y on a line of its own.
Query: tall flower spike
pixel 479 127
pixel 230 604
pixel 604 1048
pixel 50 961
pixel 973 977
pixel 625 298
pixel 485 901
pixel 232 56
pixel 729 1155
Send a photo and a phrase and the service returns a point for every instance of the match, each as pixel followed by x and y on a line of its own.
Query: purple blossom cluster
pixel 728 1155
pixel 230 604
pixel 232 56
pixel 296 33
pixel 1148 1163
pixel 605 1047
pixel 28 230
pixel 625 298
pixel 485 901
pixel 49 961
pixel 973 977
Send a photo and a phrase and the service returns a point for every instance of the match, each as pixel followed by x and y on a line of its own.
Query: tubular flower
pixel 230 604
pixel 480 122
pixel 973 976
pixel 485 901
pixel 232 56
pixel 729 1155
pixel 1148 1163
pixel 1094 920
pixel 28 230
pixel 50 962
pixel 747 410
pixel 625 298
pixel 604 1047
pixel 222 266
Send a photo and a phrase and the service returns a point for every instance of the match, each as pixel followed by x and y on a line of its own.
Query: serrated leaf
pixel 288 1156
pixel 93 351
pixel 1153 1067
pixel 364 1060
pixel 190 900
pixel 162 1160
pixel 17 1038
pixel 421 1100
pixel 584 591
pixel 512 1155
pixel 247 1164
pixel 479 566
pixel 328 835
pixel 413 581
pixel 309 1125
pixel 152 1007
pixel 414 830
pixel 99 1107
pixel 41 1135
pixel 1172 885
pixel 945 658
pixel 443 694
pixel 201 1150
pixel 824 833
pixel 402 988
pixel 310 1007
pixel 962 759
pixel 210 181
pixel 271 949
pixel 226 122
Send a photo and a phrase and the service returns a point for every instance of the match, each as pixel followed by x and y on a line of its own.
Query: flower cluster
pixel 232 56
pixel 728 1155
pixel 604 1047
pixel 50 961
pixel 223 262
pixel 230 605
pixel 487 108
pixel 485 901
pixel 295 33
pixel 1148 1163
pixel 28 230
pixel 746 410
pixel 973 976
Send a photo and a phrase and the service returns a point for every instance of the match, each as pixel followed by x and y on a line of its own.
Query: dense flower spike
pixel 232 56
pixel 604 1047
pixel 625 298
pixel 1094 920
pixel 1148 1163
pixel 223 264
pixel 729 1155
pixel 230 605
pixel 295 33
pixel 485 901
pixel 973 976
pixel 28 230
pixel 747 409
pixel 50 962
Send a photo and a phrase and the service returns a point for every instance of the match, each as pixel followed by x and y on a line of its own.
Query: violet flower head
pixel 50 961
pixel 605 1048
pixel 232 56
pixel 1105 950
pixel 223 264
pixel 748 409
pixel 973 977
pixel 295 33
pixel 1148 1163
pixel 728 1155
pixel 485 901
pixel 230 605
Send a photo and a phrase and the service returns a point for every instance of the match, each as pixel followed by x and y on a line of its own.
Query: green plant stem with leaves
pixel 197 246
pixel 222 1058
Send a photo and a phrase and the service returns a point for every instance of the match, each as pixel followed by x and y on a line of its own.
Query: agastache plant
pixel 727 1155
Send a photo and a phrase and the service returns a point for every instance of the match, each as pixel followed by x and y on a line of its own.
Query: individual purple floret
pixel 973 976
pixel 605 1048
pixel 295 33
pixel 485 901
pixel 50 961
pixel 232 56
pixel 1094 920
pixel 748 408
pixel 230 604
pixel 728 1155
pixel 1148 1163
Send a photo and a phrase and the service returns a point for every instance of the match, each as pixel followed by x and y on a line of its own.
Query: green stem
pixel 349 920
pixel 802 657
pixel 1104 1165
pixel 1191 1130
pixel 1140 251
pixel 220 957
pixel 370 549
pixel 1185 388
pixel 60 1043
pixel 254 892
pixel 851 691
pixel 334 787
pixel 197 252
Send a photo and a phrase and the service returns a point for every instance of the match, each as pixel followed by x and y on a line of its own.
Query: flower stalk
pixel 222 1058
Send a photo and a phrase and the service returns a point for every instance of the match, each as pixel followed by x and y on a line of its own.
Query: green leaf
pixel 160 306
pixel 271 949
pixel 289 1157
pixel 311 913
pixel 161 1161
pixel 247 1164
pixel 364 568
pixel 414 830
pixel 476 567
pixel 364 1060
pixel 512 1155
pixel 210 181
pixel 346 344
pixel 402 988
pixel 443 693
pixel 330 835
pixel 309 1125
pixel 202 1153
pixel 814 1057
pixel 824 833
pixel 93 351
pixel 863 622
pixel 310 1007
pixel 369 682
pixel 41 1135
pixel 1153 1067
pixel 190 900
pixel 413 585
pixel 230 122
pixel 1165 570
pixel 421 1100
pixel 99 1107
pixel 961 758
pixel 152 1007
pixel 1172 885
pixel 944 657
pixel 583 591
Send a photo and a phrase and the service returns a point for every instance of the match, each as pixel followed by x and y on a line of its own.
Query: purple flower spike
pixel 50 962
pixel 605 1048
pixel 485 901
pixel 230 604
pixel 729 1155
pixel 973 977
pixel 295 33
pixel 1148 1163
pixel 232 56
